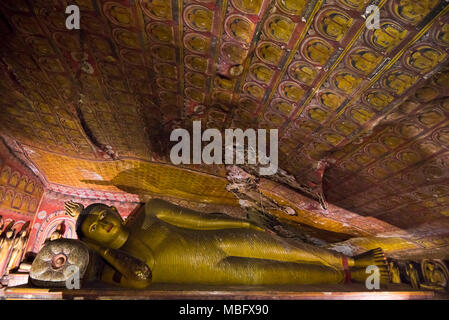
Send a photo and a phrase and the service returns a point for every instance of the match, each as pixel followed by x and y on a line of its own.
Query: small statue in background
pixel 413 275
pixel 2 224
pixel 434 276
pixel 7 242
pixel 18 247
pixel 394 271
pixel 58 233
pixel 3 233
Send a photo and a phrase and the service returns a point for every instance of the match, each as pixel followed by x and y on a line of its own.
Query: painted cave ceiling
pixel 91 110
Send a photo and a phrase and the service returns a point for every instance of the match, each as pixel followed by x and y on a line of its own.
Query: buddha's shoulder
pixel 141 220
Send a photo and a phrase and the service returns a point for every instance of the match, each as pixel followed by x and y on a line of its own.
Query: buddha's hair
pixel 84 214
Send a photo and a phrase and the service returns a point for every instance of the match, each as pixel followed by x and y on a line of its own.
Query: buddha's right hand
pixel 133 271
pixel 136 273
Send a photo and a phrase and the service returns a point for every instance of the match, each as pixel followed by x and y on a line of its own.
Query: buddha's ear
pixel 116 213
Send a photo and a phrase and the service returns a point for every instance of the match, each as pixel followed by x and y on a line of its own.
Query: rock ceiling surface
pixel 91 109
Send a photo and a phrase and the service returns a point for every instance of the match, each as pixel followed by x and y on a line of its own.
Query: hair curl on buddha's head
pixel 92 209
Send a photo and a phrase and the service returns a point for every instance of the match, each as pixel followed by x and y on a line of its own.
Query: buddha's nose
pixel 108 226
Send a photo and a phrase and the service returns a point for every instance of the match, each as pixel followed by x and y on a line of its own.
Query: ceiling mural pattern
pixel 147 178
pixel 20 190
pixel 91 109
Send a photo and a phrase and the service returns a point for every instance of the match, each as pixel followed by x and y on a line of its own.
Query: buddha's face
pixel 103 226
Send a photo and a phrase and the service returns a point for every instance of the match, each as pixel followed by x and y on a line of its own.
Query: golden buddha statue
pixel 413 275
pixel 57 233
pixel 7 241
pixel 435 276
pixel 395 273
pixel 165 243
pixel 18 247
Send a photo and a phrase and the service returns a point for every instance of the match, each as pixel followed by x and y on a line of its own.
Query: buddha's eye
pixel 93 227
pixel 102 216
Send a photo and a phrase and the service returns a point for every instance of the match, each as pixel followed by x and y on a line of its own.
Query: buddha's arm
pixel 186 218
pixel 126 270
pixel 112 276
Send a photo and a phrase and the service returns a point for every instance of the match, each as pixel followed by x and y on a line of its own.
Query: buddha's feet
pixel 375 257
pixel 362 274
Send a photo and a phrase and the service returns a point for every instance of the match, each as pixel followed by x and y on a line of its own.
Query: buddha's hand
pixel 73 208
pixel 141 271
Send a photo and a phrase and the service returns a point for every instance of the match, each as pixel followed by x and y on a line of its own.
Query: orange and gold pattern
pixel 135 177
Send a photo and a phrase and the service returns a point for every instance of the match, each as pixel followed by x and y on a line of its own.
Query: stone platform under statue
pixel 100 291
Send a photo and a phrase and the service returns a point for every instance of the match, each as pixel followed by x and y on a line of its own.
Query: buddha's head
pixel 102 225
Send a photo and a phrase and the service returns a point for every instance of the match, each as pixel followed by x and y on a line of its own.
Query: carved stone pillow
pixel 55 262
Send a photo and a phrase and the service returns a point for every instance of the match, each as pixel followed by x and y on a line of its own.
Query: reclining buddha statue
pixel 166 243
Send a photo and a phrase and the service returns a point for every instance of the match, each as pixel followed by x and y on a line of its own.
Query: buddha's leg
pixel 255 244
pixel 238 270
